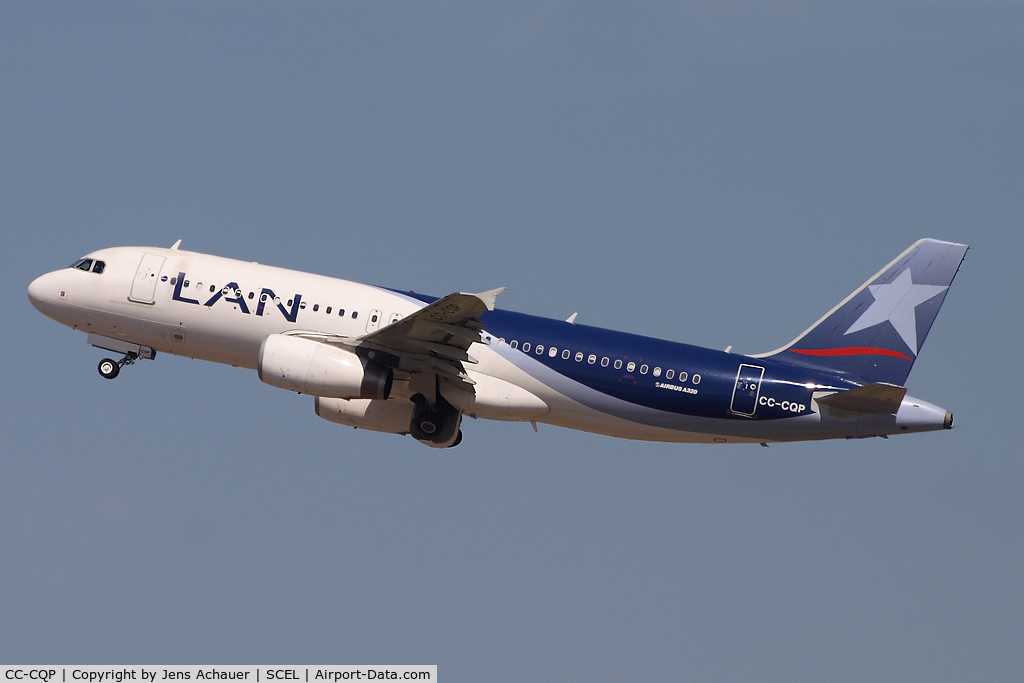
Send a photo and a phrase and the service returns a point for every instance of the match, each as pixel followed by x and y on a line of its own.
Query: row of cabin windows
pixel 263 297
pixel 605 361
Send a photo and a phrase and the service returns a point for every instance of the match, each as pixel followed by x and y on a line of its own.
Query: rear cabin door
pixel 144 285
pixel 747 389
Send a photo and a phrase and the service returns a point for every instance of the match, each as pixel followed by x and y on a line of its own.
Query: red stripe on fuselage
pixel 852 351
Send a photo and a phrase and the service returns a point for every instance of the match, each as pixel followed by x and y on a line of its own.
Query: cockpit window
pixel 88 264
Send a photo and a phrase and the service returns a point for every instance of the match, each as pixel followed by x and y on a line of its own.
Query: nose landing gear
pixel 110 368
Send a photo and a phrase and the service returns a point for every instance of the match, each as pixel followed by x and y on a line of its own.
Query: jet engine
pixel 378 416
pixel 310 367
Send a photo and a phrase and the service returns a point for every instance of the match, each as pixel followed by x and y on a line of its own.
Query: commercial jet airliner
pixel 405 363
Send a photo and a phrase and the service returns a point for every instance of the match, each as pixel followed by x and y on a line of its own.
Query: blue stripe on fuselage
pixel 711 396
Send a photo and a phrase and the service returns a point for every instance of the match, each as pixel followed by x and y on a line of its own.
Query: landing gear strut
pixel 110 368
pixel 435 424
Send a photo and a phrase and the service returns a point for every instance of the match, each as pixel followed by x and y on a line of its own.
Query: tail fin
pixel 876 333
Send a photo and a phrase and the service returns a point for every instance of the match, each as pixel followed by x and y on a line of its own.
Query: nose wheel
pixel 110 368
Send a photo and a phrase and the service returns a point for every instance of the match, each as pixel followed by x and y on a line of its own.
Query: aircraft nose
pixel 39 291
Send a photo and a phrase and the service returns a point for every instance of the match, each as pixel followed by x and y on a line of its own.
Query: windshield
pixel 87 264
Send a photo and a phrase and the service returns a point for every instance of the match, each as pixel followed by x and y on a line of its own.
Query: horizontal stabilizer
pixel 873 398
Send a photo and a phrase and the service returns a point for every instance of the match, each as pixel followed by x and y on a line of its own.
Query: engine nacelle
pixel 309 367
pixel 379 416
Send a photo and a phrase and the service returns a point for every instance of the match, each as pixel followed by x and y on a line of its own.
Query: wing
pixel 433 340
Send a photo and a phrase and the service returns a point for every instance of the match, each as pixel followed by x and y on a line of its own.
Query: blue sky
pixel 717 174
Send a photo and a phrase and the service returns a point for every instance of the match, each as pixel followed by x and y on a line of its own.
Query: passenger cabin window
pixel 657 372
pixel 328 311
pixel 591 359
pixel 630 366
pixel 682 376
pixel 618 364
pixel 373 318
pixel 579 356
pixel 604 362
pixel 643 369
pixel 341 312
pixel 355 314
pixel 252 294
pixel 513 344
pixel 669 374
pixel 98 267
pixel 316 307
pixel 540 349
pixel 213 288
pixel 566 353
pixel 526 347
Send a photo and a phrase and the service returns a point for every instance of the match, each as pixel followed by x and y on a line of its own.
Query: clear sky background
pixel 719 174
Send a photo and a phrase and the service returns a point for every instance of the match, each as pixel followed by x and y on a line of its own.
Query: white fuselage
pixel 183 315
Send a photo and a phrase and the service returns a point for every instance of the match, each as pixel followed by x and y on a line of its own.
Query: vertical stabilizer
pixel 876 333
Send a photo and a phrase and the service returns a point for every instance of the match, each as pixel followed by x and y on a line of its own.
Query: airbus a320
pixel 404 363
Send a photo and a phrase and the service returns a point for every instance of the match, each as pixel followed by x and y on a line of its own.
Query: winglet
pixel 490 296
pixel 572 318
pixel 174 247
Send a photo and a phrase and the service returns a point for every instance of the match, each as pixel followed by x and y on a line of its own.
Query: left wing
pixel 433 340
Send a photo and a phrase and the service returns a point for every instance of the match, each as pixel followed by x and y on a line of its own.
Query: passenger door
pixel 144 285
pixel 747 389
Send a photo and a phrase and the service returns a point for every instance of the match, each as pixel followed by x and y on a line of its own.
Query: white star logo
pixel 896 302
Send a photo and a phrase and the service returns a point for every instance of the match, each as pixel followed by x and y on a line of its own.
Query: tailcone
pixel 916 415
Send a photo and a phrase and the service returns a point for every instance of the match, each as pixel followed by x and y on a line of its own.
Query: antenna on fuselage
pixel 174 247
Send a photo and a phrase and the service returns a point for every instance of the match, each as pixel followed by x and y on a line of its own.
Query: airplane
pixel 405 363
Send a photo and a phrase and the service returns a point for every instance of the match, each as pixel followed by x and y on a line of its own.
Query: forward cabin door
pixel 747 389
pixel 144 285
